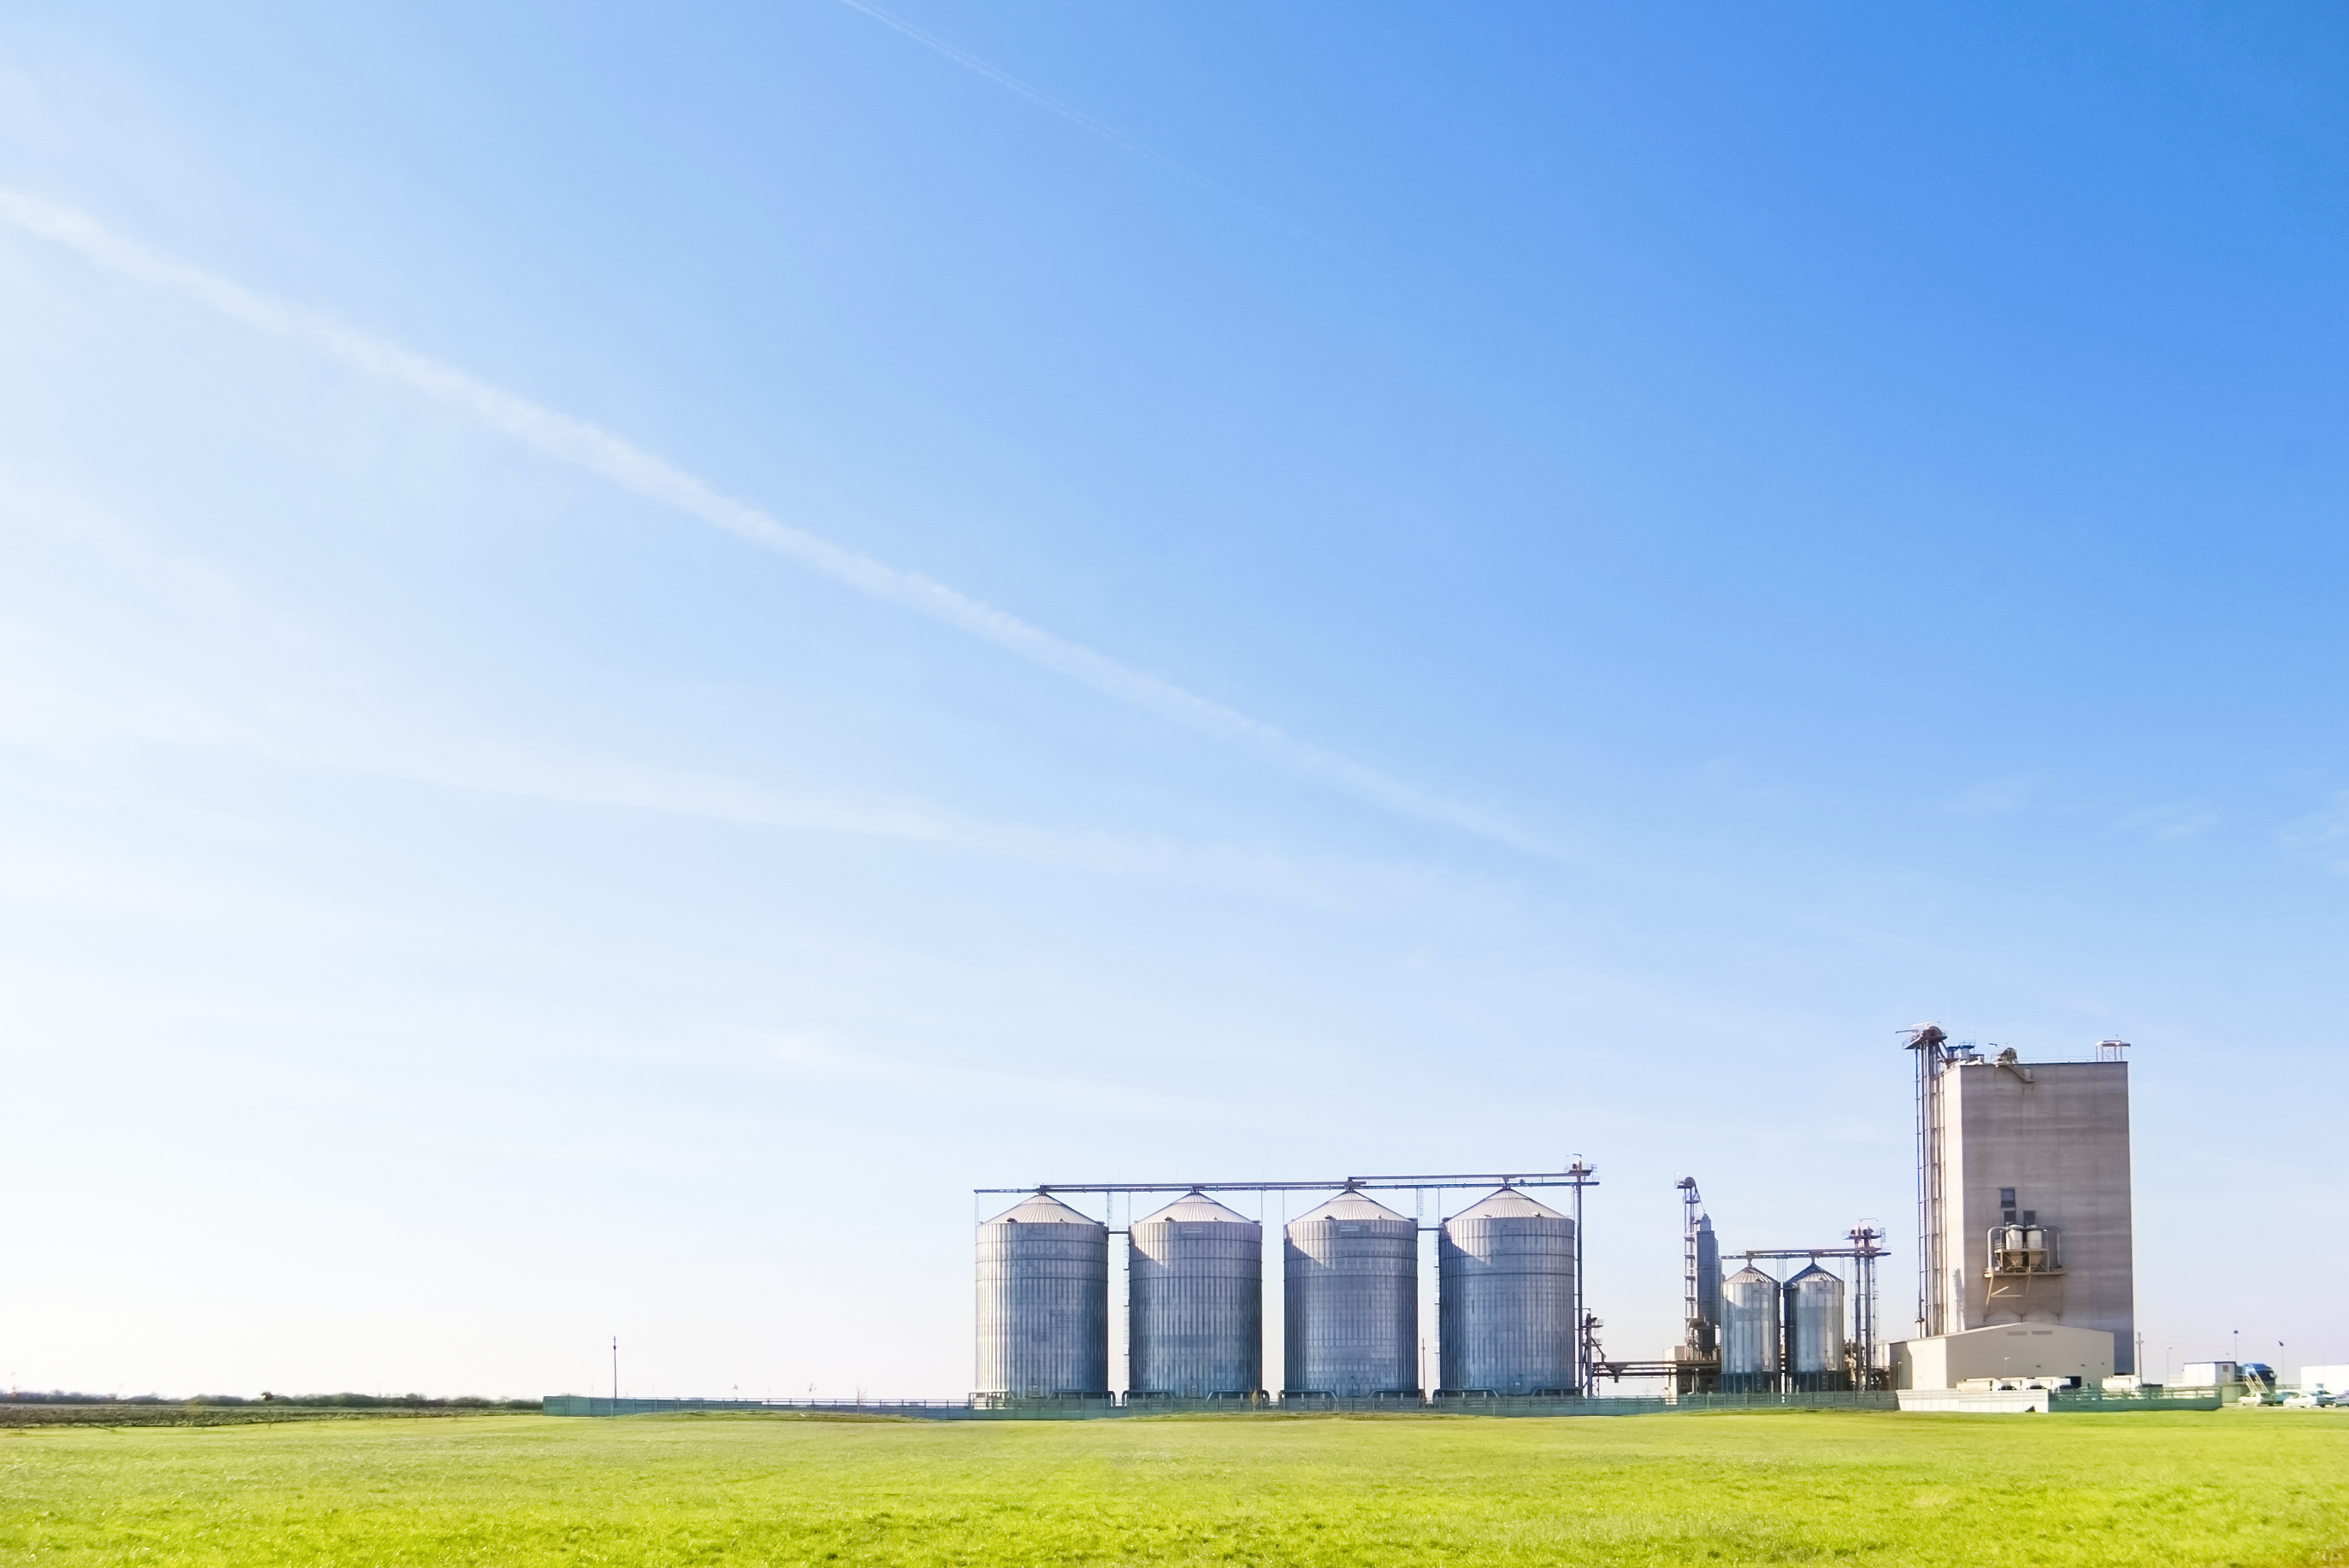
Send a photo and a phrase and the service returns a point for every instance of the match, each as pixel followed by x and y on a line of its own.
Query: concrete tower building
pixel 2023 1215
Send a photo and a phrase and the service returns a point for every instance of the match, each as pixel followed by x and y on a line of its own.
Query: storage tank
pixel 1194 1315
pixel 1749 1332
pixel 1043 1302
pixel 1351 1313
pixel 1814 1331
pixel 1504 1266
pixel 1708 1282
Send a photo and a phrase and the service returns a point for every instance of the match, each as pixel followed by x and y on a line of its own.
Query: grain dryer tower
pixel 2023 1208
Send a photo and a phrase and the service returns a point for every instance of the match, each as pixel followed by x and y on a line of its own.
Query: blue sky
pixel 1562 573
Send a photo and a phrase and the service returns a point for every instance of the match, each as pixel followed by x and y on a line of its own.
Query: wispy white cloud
pixel 2180 820
pixel 215 667
pixel 319 728
pixel 1992 795
pixel 1005 79
pixel 814 1058
pixel 599 452
pixel 183 658
pixel 2324 835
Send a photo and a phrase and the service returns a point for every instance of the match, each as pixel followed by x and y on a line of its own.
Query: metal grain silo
pixel 1814 1331
pixel 1749 1332
pixel 1351 1313
pixel 1506 1268
pixel 1195 1316
pixel 1043 1302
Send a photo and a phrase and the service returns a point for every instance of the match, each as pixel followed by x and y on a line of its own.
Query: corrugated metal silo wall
pixel 1507 1304
pixel 1815 1345
pixel 1749 1332
pixel 1195 1315
pixel 1351 1310
pixel 1043 1308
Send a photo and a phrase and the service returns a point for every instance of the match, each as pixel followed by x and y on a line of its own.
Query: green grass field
pixel 2232 1487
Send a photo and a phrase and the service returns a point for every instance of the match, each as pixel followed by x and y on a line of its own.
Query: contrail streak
pixel 1004 78
pixel 607 456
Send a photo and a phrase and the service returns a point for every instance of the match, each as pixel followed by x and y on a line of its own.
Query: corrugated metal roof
pixel 1043 1209
pixel 1509 1203
pixel 1194 1207
pixel 1351 1206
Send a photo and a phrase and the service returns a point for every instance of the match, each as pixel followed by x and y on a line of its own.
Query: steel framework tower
pixel 1932 1049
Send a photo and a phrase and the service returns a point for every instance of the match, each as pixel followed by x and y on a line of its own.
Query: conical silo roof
pixel 1351 1206
pixel 1043 1209
pixel 1193 1207
pixel 1509 1203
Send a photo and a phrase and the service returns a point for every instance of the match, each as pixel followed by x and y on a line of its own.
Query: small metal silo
pixel 1195 1308
pixel 1749 1332
pixel 1351 1317
pixel 1505 1266
pixel 1043 1302
pixel 1815 1357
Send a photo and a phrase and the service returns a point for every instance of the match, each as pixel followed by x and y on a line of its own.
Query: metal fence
pixel 587 1405
pixel 1072 1408
pixel 195 1413
pixel 2091 1399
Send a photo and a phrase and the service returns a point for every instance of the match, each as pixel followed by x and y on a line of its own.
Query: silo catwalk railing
pixel 1194 1314
pixel 1004 1314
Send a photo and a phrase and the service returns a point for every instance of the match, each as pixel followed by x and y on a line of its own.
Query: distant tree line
pixel 346 1401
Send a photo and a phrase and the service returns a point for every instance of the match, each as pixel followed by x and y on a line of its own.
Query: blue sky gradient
pixel 1744 530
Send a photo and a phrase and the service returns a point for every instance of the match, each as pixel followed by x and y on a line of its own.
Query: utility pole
pixel 615 1374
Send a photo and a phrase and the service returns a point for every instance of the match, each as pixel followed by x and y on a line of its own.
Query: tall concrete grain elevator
pixel 2022 1209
